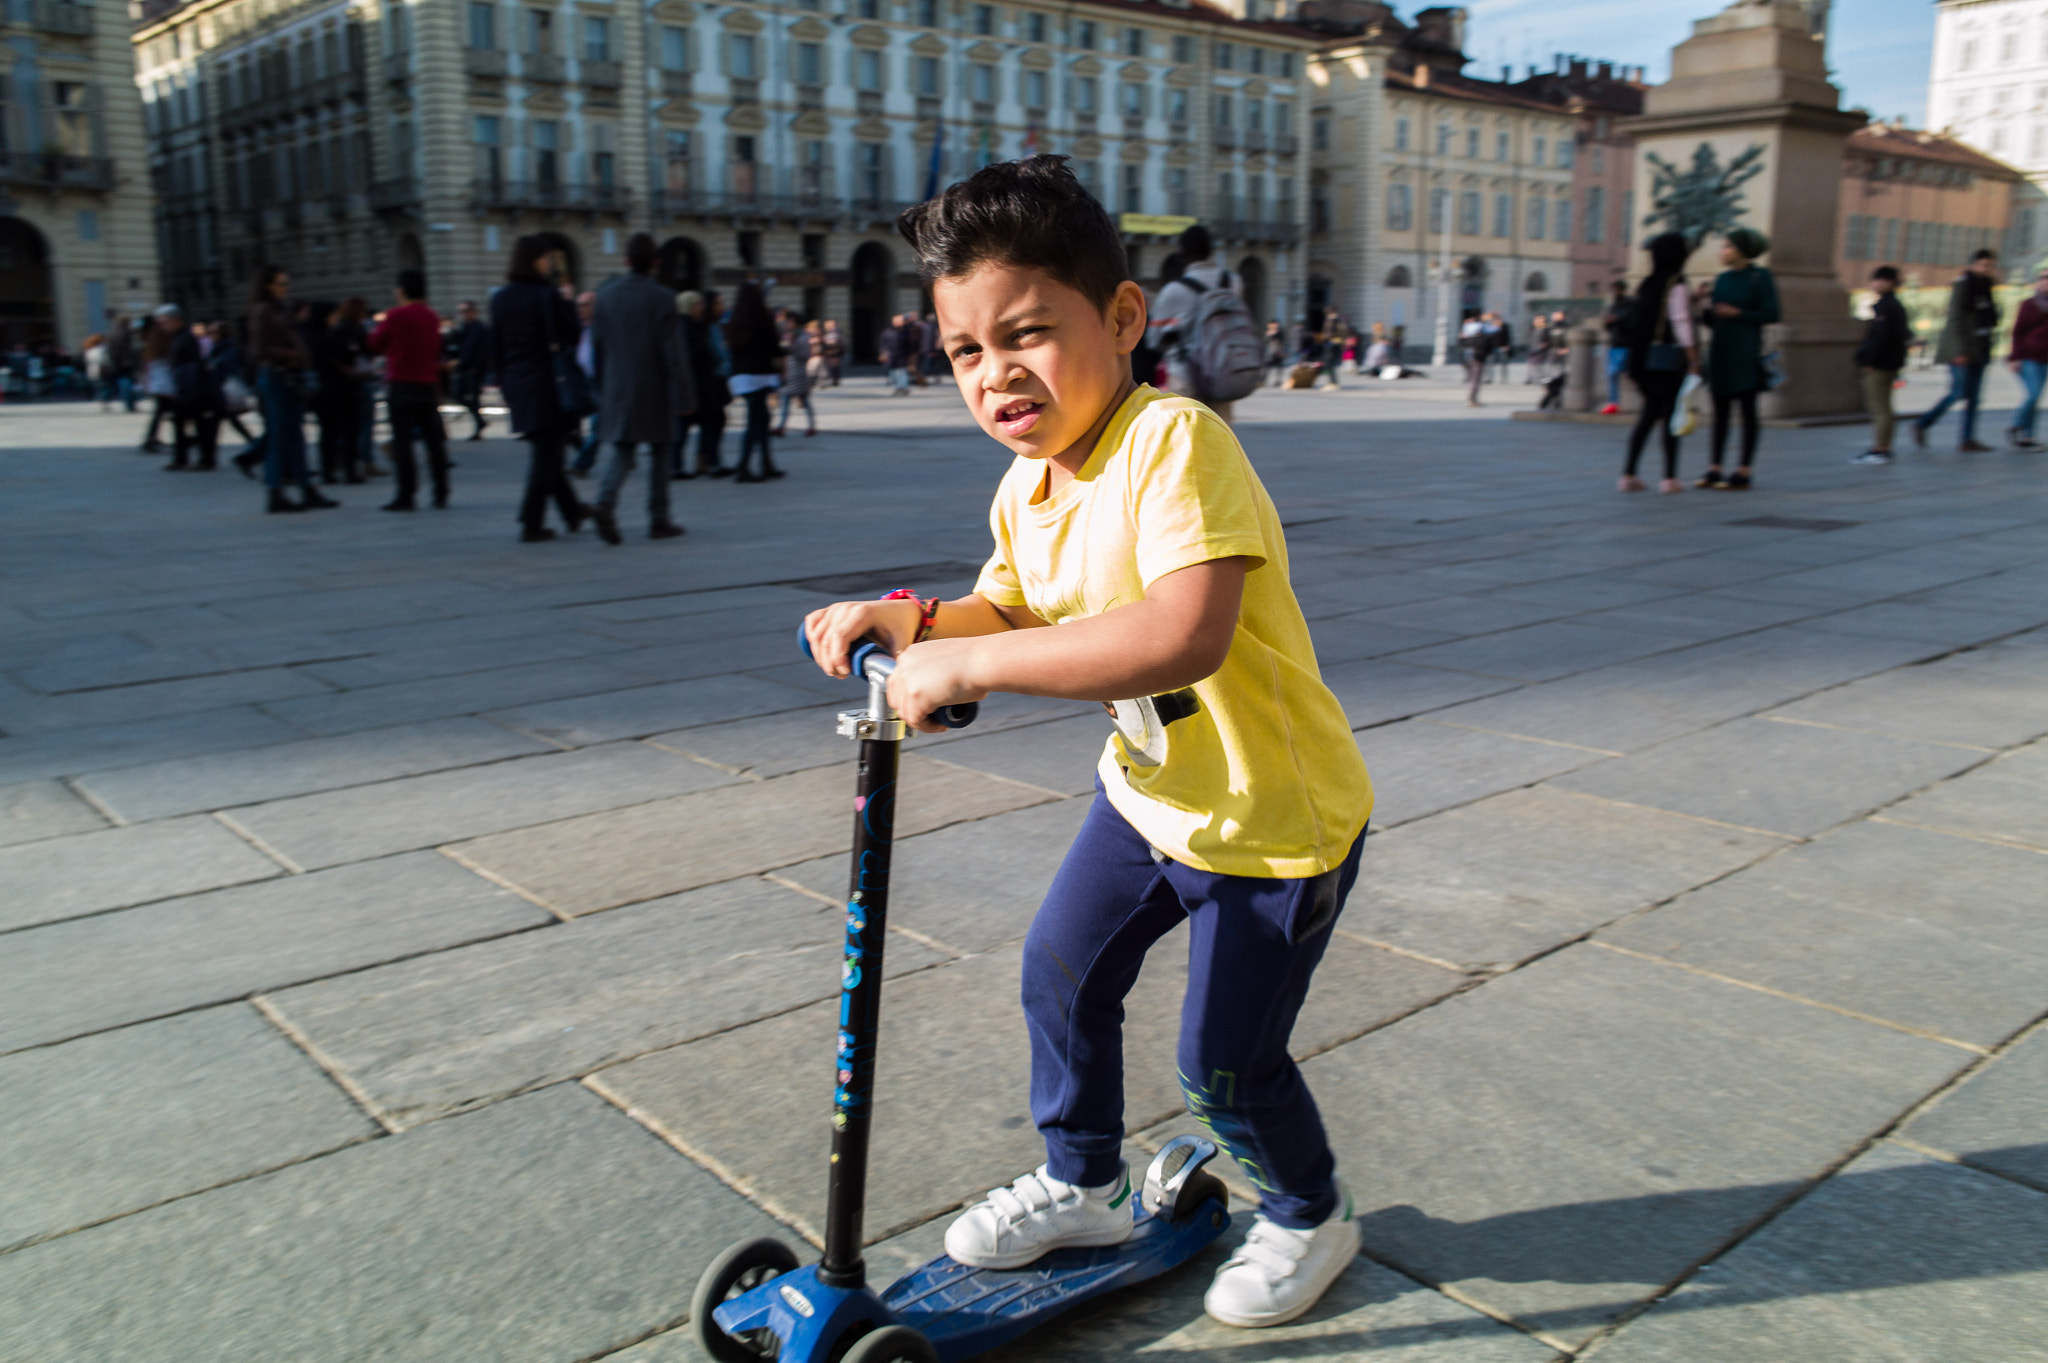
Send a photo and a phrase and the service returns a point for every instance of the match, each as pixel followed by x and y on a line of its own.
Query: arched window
pixel 1537 283
pixel 1400 278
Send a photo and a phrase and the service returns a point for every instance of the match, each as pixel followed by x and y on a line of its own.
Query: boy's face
pixel 1038 364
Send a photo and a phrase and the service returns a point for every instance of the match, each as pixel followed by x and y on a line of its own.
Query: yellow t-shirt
pixel 1252 771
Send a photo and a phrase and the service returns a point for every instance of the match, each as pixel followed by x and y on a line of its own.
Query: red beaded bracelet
pixel 928 609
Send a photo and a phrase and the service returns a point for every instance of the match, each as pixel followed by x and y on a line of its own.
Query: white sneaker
pixel 1279 1273
pixel 1038 1213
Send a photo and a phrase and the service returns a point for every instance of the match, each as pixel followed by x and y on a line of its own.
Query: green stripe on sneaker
pixel 1123 1193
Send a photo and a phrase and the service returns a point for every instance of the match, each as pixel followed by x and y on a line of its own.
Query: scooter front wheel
pixel 892 1344
pixel 734 1273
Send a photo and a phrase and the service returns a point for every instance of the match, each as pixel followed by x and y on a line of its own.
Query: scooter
pixel 755 1303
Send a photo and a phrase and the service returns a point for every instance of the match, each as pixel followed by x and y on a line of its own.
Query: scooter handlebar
pixel 869 660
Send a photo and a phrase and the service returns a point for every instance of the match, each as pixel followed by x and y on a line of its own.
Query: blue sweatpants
pixel 1253 943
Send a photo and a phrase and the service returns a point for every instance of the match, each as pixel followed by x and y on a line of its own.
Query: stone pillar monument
pixel 1749 133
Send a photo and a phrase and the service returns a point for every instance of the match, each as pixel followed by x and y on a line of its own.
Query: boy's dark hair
pixel 1983 253
pixel 1888 273
pixel 413 284
pixel 1034 214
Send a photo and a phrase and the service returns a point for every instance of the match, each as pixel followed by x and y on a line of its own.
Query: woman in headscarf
pixel 1745 301
pixel 1663 349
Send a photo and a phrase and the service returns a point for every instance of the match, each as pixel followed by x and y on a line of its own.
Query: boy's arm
pixel 834 630
pixel 1178 635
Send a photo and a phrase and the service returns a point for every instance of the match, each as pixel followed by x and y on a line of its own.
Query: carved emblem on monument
pixel 1703 200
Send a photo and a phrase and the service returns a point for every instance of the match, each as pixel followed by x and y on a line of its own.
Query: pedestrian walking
pixel 532 325
pixel 1663 347
pixel 586 432
pixel 409 339
pixel 2028 356
pixel 156 374
pixel 756 373
pixel 1965 347
pixel 337 339
pixel 643 387
pixel 1614 321
pixel 927 347
pixel 1744 301
pixel 1276 356
pixel 1880 358
pixel 892 346
pixel 284 372
pixel 704 357
pixel 796 378
pixel 1472 342
pixel 469 347
pixel 194 424
pixel 832 348
pixel 121 358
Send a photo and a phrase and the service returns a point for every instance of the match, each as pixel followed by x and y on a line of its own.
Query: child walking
pixel 1231 796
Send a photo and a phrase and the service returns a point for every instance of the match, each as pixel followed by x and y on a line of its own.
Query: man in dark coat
pixel 1880 358
pixel 1965 347
pixel 643 386
pixel 701 358
pixel 469 348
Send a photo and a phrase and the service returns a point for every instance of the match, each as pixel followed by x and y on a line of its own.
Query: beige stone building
pixel 75 199
pixel 1417 165
pixel 344 139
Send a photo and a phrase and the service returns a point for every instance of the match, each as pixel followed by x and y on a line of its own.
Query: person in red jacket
pixel 409 339
pixel 2029 359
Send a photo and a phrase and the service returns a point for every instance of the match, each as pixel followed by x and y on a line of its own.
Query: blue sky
pixel 1879 58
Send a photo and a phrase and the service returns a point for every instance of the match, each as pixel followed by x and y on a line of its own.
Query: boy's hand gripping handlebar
pixel 871 664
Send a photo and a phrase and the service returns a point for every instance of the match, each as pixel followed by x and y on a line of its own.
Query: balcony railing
pixel 543 67
pixel 398 67
pixel 1255 139
pixel 337 206
pixel 546 196
pixel 391 195
pixel 1250 229
pixel 744 91
pixel 1226 138
pixel 675 84
pixel 1286 143
pixel 867 103
pixel 810 96
pixel 51 170
pixel 1134 125
pixel 600 75
pixel 485 61
pixel 664 204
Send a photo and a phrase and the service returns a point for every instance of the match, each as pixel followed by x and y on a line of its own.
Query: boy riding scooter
pixel 1231 796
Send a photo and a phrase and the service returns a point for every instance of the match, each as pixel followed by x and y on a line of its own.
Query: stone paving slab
pixel 2006 799
pixel 1376 691
pixel 1555 648
pixel 1499 881
pixel 1998 1117
pixel 120 1121
pixel 645 710
pixel 75 752
pixel 1922 929
pixel 224 780
pixel 973 886
pixel 1610 1122
pixel 449 1031
pixel 1797 779
pixel 60 878
pixel 1349 637
pixel 1940 702
pixel 1909 619
pixel 756 1101
pixel 64 979
pixel 1896 1257
pixel 380 707
pixel 1467 615
pixel 87 709
pixel 1419 768
pixel 453 657
pixel 622 856
pixel 111 668
pixel 1060 756
pixel 545 1227
pixel 34 810
pixel 1616 709
pixel 333 827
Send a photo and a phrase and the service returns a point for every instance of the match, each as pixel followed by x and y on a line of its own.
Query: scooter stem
pixel 860 981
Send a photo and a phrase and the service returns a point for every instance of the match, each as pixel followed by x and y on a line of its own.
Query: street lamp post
pixel 1443 290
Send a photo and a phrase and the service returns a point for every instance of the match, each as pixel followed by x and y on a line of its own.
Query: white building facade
pixel 1988 86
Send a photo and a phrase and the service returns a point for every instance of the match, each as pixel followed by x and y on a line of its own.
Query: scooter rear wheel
pixel 1199 1188
pixel 739 1270
pixel 892 1344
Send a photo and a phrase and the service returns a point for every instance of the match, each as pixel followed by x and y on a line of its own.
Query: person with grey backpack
pixel 1213 349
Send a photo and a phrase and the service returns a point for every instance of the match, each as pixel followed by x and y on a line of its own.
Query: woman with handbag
pixel 533 343
pixel 1663 349
pixel 1745 301
pixel 283 374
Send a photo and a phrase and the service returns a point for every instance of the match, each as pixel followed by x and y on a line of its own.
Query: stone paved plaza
pixel 418 945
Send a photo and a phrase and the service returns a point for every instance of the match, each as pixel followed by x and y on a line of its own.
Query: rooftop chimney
pixel 1605 70
pixel 1578 68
